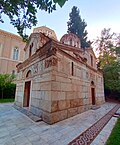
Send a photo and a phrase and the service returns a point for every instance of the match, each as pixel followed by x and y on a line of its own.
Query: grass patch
pixel 114 138
pixel 7 100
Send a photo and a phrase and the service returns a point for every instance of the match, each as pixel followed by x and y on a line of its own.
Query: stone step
pixel 95 107
pixel 28 113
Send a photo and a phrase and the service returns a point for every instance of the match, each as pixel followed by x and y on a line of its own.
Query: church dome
pixel 47 31
pixel 71 39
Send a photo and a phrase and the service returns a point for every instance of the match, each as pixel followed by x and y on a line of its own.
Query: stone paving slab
pixel 105 133
pixel 89 135
pixel 18 129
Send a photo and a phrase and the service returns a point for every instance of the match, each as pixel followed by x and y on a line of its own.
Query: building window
pixel 28 74
pixel 71 42
pixel 30 50
pixel 91 57
pixel 15 53
pixel 72 71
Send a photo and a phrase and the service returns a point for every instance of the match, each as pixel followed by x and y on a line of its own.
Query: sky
pixel 98 14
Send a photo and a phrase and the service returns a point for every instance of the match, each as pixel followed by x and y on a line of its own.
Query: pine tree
pixel 77 26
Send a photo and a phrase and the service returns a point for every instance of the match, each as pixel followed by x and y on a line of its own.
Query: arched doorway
pixel 26 99
pixel 93 93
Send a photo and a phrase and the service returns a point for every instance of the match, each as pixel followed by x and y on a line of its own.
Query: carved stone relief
pixel 51 62
pixel 92 76
pixel 35 68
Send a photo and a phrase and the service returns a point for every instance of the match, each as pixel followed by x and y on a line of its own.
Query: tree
pixel 107 60
pixel 77 26
pixel 112 79
pixel 22 13
pixel 5 79
pixel 106 48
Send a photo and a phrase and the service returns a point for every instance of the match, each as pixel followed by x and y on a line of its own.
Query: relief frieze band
pixel 51 62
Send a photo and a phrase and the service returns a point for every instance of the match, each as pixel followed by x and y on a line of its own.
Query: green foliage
pixel 77 26
pixel 114 138
pixel 118 51
pixel 7 100
pixel 112 77
pixel 106 47
pixel 60 2
pixel 107 60
pixel 22 13
pixel 7 88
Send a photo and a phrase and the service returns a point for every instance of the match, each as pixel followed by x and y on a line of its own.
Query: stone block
pixel 54 117
pixel 70 95
pixel 35 86
pixel 54 106
pixel 63 79
pixel 66 87
pixel 57 95
pixel 55 86
pixel 46 117
pixel 47 95
pixel 18 103
pixel 87 107
pixel 74 87
pixel 63 104
pixel 58 116
pixel 45 86
pixel 74 103
pixel 36 111
pixel 34 102
pixel 80 109
pixel 86 101
pixel 45 105
pixel 72 112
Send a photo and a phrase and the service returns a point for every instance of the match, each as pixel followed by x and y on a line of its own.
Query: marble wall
pixel 60 87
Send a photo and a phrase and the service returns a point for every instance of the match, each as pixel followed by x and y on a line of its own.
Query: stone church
pixel 58 79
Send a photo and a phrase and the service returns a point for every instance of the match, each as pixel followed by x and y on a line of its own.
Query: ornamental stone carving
pixel 35 68
pixel 92 76
pixel 51 62
pixel 51 51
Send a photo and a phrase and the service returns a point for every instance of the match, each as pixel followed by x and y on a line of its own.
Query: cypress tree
pixel 77 26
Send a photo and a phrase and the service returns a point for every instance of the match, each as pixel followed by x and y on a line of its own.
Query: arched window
pixel 92 83
pixel 30 51
pixel 72 68
pixel 71 42
pixel 28 74
pixel 15 53
pixel 91 57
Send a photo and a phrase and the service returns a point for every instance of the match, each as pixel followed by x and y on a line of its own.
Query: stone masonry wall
pixel 71 94
pixel 58 93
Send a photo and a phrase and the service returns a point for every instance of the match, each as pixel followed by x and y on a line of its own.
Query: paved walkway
pixel 18 129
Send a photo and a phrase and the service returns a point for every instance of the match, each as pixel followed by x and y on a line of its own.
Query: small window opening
pixel 71 42
pixel 30 51
pixel 91 60
pixel 72 69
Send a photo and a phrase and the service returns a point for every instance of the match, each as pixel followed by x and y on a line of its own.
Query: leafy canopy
pixel 5 79
pixel 106 47
pixel 22 13
pixel 77 26
pixel 112 77
pixel 109 50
